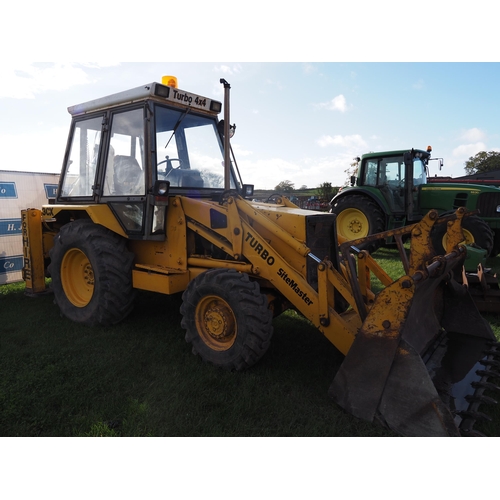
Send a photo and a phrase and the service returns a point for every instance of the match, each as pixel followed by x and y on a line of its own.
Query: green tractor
pixel 391 191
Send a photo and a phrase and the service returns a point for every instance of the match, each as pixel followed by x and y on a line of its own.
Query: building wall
pixel 491 175
pixel 19 190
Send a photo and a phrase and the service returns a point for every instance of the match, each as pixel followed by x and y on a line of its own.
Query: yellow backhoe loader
pixel 150 198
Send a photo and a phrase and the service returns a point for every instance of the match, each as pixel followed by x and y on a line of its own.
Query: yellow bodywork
pixel 381 333
pixel 265 241
pixel 33 269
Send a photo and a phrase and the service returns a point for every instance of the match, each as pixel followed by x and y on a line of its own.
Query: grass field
pixel 139 378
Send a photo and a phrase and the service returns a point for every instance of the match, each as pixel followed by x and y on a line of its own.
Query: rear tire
pixel 227 319
pixel 91 271
pixel 357 217
pixel 475 230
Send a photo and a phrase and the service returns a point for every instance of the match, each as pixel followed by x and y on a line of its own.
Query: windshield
pixel 189 150
pixel 390 171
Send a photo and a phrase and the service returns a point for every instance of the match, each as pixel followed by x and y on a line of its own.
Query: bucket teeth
pixel 490 362
pixel 488 373
pixel 491 370
pixel 493 352
pixel 493 343
pixel 481 399
pixel 475 415
pixel 485 385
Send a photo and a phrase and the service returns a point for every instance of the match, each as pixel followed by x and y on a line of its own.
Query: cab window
pixel 81 164
pixel 124 174
pixel 419 172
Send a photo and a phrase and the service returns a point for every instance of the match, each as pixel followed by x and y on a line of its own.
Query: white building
pixel 19 190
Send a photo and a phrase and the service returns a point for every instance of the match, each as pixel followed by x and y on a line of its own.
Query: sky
pixel 298 121
pixel 310 89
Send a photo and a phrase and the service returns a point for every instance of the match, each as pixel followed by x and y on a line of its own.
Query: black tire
pixel 91 271
pixel 357 217
pixel 227 319
pixel 475 229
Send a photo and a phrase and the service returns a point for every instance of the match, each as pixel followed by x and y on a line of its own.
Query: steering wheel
pixel 169 167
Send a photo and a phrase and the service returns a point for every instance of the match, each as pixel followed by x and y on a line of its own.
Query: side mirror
pixel 353 180
pixel 220 129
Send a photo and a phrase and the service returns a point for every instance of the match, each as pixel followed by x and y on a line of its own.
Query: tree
pixel 326 191
pixel 285 187
pixel 483 162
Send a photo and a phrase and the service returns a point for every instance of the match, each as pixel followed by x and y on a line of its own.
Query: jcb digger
pixel 150 198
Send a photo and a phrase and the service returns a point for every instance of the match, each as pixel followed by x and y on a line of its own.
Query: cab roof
pixel 154 90
pixel 398 152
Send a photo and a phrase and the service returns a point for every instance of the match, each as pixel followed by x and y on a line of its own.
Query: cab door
pixel 124 179
pixel 387 174
pixel 416 172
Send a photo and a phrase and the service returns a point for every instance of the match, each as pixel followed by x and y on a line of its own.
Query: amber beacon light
pixel 170 81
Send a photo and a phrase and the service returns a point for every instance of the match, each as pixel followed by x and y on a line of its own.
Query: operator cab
pixel 125 149
pixel 389 173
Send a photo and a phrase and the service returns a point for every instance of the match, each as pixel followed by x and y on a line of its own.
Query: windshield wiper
pixel 177 126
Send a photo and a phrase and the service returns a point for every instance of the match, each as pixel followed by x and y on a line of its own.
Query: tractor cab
pixel 132 149
pixel 397 177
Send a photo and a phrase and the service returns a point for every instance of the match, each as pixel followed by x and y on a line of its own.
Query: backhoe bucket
pixel 415 364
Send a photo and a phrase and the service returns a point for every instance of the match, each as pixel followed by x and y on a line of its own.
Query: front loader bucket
pixel 415 364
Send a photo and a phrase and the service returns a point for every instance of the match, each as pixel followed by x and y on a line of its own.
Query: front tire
pixel 358 217
pixel 227 319
pixel 475 230
pixel 91 271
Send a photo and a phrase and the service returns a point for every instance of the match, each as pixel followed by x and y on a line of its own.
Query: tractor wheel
pixel 357 217
pixel 91 271
pixel 475 230
pixel 227 319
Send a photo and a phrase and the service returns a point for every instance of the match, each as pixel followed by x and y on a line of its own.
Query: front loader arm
pixel 317 306
pixel 407 348
pixel 253 238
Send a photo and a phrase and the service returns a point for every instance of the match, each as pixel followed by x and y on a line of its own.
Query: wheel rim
pixel 216 323
pixel 468 238
pixel 77 277
pixel 352 224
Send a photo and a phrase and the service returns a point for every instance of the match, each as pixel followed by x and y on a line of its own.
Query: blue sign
pixel 8 190
pixel 50 190
pixel 9 227
pixel 11 264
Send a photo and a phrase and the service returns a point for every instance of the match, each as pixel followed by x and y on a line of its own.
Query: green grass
pixel 139 378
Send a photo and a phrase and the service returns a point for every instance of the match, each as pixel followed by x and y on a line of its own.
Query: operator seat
pixel 128 176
